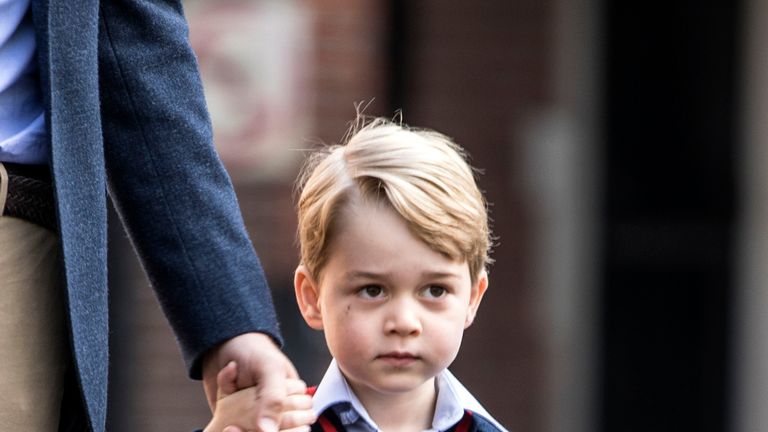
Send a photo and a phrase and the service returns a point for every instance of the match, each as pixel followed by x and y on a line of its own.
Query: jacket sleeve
pixel 167 183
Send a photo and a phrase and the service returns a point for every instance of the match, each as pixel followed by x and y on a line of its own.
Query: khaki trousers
pixel 33 347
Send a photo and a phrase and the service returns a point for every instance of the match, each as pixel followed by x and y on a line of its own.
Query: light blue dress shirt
pixel 22 121
pixel 452 399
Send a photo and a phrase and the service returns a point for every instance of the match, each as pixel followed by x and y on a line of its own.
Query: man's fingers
pixel 271 395
pixel 298 403
pixel 297 410
pixel 295 386
pixel 297 429
pixel 261 365
pixel 298 414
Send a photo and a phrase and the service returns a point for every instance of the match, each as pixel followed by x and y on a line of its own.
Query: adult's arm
pixel 168 185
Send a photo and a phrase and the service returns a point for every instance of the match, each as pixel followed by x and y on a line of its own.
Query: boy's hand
pixel 261 365
pixel 234 409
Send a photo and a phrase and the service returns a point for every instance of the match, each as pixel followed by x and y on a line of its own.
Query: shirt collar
pixel 452 399
pixel 334 391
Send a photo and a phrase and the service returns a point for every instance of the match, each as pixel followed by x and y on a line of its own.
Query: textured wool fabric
pixel 33 340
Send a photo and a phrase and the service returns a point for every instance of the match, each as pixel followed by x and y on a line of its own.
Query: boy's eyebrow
pixel 439 275
pixel 358 274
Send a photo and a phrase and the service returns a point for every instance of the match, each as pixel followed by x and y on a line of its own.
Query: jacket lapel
pixel 67 39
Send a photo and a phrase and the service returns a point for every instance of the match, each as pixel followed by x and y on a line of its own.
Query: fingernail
pixel 266 424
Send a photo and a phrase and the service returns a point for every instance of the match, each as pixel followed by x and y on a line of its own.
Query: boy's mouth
pixel 398 358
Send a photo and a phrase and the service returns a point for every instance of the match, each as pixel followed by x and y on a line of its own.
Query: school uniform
pixel 338 409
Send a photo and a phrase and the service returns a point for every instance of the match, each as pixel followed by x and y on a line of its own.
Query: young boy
pixel 394 247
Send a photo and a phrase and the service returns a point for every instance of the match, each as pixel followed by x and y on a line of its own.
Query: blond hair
pixel 422 174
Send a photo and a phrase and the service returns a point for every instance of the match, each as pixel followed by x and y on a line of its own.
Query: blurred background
pixel 623 150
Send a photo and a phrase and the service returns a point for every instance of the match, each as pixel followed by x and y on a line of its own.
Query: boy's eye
pixel 371 291
pixel 435 291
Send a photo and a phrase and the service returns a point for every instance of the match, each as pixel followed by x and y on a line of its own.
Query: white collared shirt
pixel 452 399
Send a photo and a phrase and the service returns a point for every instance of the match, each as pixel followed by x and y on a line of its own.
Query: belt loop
pixel 3 188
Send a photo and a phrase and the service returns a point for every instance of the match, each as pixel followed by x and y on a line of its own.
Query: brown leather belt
pixel 30 194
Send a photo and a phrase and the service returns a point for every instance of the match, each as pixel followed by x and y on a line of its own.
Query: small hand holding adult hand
pixel 298 415
pixel 231 406
pixel 234 408
pixel 266 372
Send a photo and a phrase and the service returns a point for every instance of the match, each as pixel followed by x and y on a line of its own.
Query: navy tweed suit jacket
pixel 126 117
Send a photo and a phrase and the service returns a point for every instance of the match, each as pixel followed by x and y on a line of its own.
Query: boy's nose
pixel 402 319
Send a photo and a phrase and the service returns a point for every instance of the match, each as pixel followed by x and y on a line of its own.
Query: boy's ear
pixel 307 296
pixel 476 296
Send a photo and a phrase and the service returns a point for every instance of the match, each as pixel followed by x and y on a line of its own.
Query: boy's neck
pixel 396 412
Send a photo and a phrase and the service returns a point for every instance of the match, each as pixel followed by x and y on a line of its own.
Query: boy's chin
pixel 393 386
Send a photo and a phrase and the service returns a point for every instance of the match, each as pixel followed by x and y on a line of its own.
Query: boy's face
pixel 392 309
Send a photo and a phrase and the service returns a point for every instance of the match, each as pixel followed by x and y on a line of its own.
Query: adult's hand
pixel 260 363
pixel 234 409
